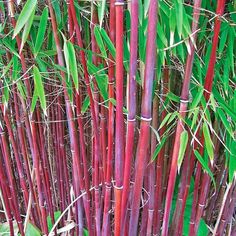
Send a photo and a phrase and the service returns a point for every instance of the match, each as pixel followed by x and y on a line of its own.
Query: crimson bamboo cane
pixel 131 94
pixel 146 116
pixel 119 127
pixel 180 124
pixel 111 75
pixel 208 88
pixel 79 183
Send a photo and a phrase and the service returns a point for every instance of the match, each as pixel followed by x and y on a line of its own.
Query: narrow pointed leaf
pixel 24 15
pixel 41 31
pixel 182 148
pixel 40 89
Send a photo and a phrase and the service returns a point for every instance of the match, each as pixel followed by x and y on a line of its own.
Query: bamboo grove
pixel 117 117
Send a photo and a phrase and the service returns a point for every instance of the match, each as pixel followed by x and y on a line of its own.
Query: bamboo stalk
pixel 131 123
pixel 180 124
pixel 146 116
pixel 110 139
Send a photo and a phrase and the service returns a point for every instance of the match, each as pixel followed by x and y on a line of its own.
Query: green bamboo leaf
pixel 27 28
pixel 85 105
pixel 231 47
pixel 40 89
pixel 41 31
pixel 101 11
pixel 6 68
pixel 10 44
pixel 172 24
pixel 73 65
pixel 57 214
pixel 6 93
pixel 32 230
pixel 34 101
pixel 208 142
pixel 205 166
pixel 158 148
pixel 164 121
pixel 21 88
pixel 179 16
pixel 24 16
pixel 108 42
pixel 225 122
pixel 67 58
pixel 161 35
pixel 232 161
pixel 197 98
pixel 173 97
pixel 102 82
pixel 182 147
pixel 146 7
pixel 195 117
pixel 223 39
pixel 173 116
pixel 100 41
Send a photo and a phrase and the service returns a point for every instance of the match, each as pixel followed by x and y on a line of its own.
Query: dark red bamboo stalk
pixel 180 124
pixel 131 94
pixel 110 132
pixel 12 185
pixel 119 126
pixel 79 183
pixel 207 91
pixel 17 157
pixel 94 119
pixel 151 167
pixel 146 116
pixel 160 163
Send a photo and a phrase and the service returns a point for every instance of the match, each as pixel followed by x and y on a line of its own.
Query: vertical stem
pixel 146 116
pixel 119 129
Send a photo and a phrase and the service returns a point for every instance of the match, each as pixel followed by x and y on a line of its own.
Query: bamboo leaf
pixel 172 23
pixel 102 81
pixel 179 16
pixel 41 31
pixel 205 166
pixel 27 28
pixel 182 147
pixel 108 42
pixel 73 65
pixel 34 101
pixel 101 12
pixel 208 142
pixel 164 121
pixel 146 7
pixel 6 68
pixel 197 98
pixel 232 161
pixel 32 230
pixel 40 89
pixel 100 41
pixel 24 16
pixel 158 148
pixel 85 105
pixel 57 214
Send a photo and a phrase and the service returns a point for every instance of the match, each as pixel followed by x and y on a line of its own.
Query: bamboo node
pixel 118 188
pixel 146 119
pixel 119 3
pixel 184 101
pixel 201 205
pixel 96 189
pixel 131 120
